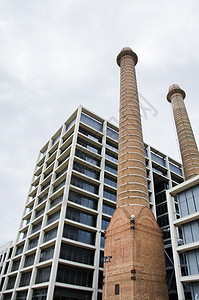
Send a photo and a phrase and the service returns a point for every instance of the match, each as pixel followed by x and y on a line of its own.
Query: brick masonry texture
pixel 135 243
pixel 187 143
pixel 137 263
pixel 132 178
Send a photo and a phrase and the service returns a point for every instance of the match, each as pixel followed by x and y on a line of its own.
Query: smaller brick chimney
pixel 187 143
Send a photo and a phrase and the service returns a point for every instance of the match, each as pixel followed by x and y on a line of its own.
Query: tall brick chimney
pixel 133 238
pixel 187 143
pixel 132 177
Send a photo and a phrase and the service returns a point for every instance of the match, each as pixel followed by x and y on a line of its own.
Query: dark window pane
pixel 39 294
pixel 56 201
pixel 85 170
pixel 51 234
pixel 80 216
pixel 11 282
pixel 43 275
pixel 29 260
pixel 108 209
pixel 19 249
pixel 84 185
pixel 25 279
pixel 91 122
pixel 78 234
pixel 53 217
pixel 91 135
pixel 33 243
pixel 82 200
pixel 21 295
pixel 77 254
pixel 15 265
pixel 36 227
pixel 70 294
pixel 88 145
pixel 47 253
pixel 87 157
pixel 76 276
pixel 117 289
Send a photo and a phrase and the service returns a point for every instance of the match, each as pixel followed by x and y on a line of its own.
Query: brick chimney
pixel 133 238
pixel 132 177
pixel 187 143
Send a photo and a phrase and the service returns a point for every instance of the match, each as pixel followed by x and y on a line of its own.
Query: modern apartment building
pixel 59 249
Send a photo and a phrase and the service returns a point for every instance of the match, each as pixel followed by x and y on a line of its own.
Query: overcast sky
pixel 55 55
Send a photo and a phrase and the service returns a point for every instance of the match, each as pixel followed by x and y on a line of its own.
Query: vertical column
pixel 187 143
pixel 132 177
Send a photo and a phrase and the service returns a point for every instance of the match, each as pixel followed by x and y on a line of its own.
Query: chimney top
pixel 127 51
pixel 175 89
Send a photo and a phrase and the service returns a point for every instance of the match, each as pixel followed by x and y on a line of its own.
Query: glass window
pixel 76 276
pixel 25 279
pixel 91 135
pixel 49 235
pixel 161 209
pixel 87 157
pixel 77 234
pixel 39 212
pixel 7 296
pixel 11 282
pixel 43 274
pixel 175 169
pixel 53 217
pixel 108 209
pixel 47 253
pixel 84 185
pixel 112 146
pixel 43 187
pixel 110 168
pixel 163 221
pixel 56 201
pixel 105 224
pixel 77 254
pixel 70 294
pixel 80 216
pixel 39 294
pixel 82 200
pixel 58 174
pixel 85 170
pixel 110 195
pixel 112 134
pixel 33 243
pixel 60 161
pixel 101 262
pixel 21 295
pixel 29 260
pixel 36 227
pixel 43 198
pixel 59 186
pixel 88 145
pixel 110 181
pixel 111 156
pixel 70 125
pixel 158 159
pixel 91 122
pixel 15 265
pixel 100 281
pixel 19 250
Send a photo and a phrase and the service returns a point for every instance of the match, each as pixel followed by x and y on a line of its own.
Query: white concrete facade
pixel 179 244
